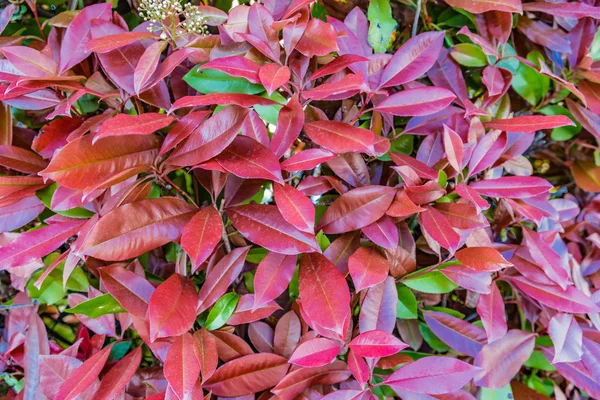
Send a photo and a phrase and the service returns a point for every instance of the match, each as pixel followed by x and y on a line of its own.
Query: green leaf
pixel 595 47
pixel 431 282
pixel 469 55
pixel 323 241
pixel 221 311
pixel 407 303
pixel 538 360
pixel 51 291
pixel 404 144
pixel 381 25
pixel 97 306
pixel 45 195
pixel 270 113
pixel 504 393
pixel 565 132
pixel 119 350
pixel 212 81
pixel 432 340
pixel 256 255
pixel 293 288
pixel 529 83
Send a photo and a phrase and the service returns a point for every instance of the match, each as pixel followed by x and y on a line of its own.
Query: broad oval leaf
pixel 356 209
pixel 324 293
pixel 135 228
pixel 265 226
pixel 182 368
pixel 201 234
pixel 273 275
pixel 376 344
pixel 315 353
pixel 295 207
pixel 432 375
pixel 82 163
pixel 368 267
pixel 172 307
pixel 247 375
pixel 340 137
pixel 482 259
pixel 460 335
pixel 416 102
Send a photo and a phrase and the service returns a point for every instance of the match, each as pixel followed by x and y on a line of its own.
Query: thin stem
pixel 177 188
pixel 417 15
pixel 226 241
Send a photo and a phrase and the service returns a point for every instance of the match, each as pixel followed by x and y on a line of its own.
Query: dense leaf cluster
pixel 267 202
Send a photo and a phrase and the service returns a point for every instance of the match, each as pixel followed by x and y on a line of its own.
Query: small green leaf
pixel 431 282
pixel 45 195
pixel 256 254
pixel 469 55
pixel 97 306
pixel 442 178
pixel 212 81
pixel 539 361
pixel 381 26
pixel 249 280
pixel 404 144
pixel 221 311
pixel 432 340
pixel 565 132
pixel 323 241
pixel 595 47
pixel 504 393
pixel 119 350
pixel 407 303
pixel 529 83
pixel 293 288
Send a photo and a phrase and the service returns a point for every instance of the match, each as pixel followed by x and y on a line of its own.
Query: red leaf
pixel 546 258
pixel 422 169
pixel 287 334
pixel 32 245
pixel 368 267
pixel 211 138
pixel 462 216
pixel 471 195
pixel 502 359
pixel 319 39
pixel 237 66
pixel 324 293
pixel 112 42
pixel 182 129
pixel 22 160
pixel 439 229
pixel 222 99
pixel 416 102
pixel 383 232
pixel 315 353
pixel 295 208
pixel 182 368
pixel 359 368
pixel 273 76
pixel 479 6
pixel 265 226
pixel 571 300
pixel 124 125
pixel 201 235
pixel 219 277
pixel 245 313
pixel 136 228
pixel 432 375
pixel 31 62
pixel 205 349
pixel 20 213
pixel 289 124
pixel 567 9
pixel 248 159
pixel 273 276
pixel 172 307
pixel 348 86
pixel 131 290
pixel 80 379
pixel 413 59
pixel 117 378
pixel 378 309
pixel 147 64
pixel 490 308
pixel 376 344
pixel 340 137
pixel 301 379
pixel 530 123
pixel 356 209
pixel 482 259
pixel 338 64
pixel 107 160
pixel 340 250
pixel 247 375
pixel 307 159
pixel 516 187
pixel 453 145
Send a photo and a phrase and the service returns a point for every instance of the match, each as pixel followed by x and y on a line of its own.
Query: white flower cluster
pixel 162 13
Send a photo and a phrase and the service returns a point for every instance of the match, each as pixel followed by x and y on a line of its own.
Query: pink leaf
pixel 530 123
pixel 117 378
pixel 368 267
pixel 490 308
pixel 295 208
pixel 80 379
pixel 273 76
pixel 273 276
pixel 517 187
pixel 182 368
pixel 340 137
pixel 315 353
pixel 201 235
pixel 123 124
pixel 416 102
pixel 376 344
pixel 566 336
pixel 453 145
pixel 438 227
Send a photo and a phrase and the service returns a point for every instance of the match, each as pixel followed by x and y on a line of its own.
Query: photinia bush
pixel 300 200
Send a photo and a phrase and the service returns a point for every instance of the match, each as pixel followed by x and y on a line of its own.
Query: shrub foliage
pixel 298 199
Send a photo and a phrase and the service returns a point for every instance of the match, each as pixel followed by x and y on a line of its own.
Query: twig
pixel 417 15
pixel 13 306
pixel 226 241
pixel 178 189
